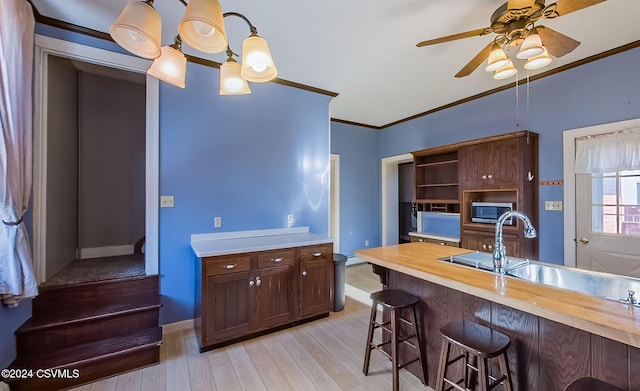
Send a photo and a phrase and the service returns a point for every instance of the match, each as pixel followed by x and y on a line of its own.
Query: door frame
pixel 44 47
pixel 389 180
pixel 568 157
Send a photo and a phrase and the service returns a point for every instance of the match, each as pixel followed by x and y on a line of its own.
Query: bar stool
pixel 591 384
pixel 480 342
pixel 396 301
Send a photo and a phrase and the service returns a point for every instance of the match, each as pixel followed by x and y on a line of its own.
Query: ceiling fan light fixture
pixel 202 26
pixel 497 59
pixel 138 29
pixel 531 46
pixel 171 66
pixel 505 72
pixel 539 61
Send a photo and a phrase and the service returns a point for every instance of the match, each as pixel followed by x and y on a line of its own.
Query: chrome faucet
pixel 499 251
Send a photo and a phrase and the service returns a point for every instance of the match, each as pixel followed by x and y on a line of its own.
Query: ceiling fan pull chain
pixel 517 104
pixel 528 104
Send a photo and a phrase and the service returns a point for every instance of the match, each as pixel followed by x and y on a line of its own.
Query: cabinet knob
pixel 258 282
pixel 490 246
pixel 304 273
pixel 230 266
pixel 420 240
pixel 443 244
pixel 489 176
pixel 484 246
pixel 484 177
pixel 251 282
pixel 317 254
pixel 276 260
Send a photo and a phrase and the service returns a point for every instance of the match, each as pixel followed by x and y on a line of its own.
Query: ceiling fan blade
pixel 563 7
pixel 476 61
pixel 467 34
pixel 557 44
pixel 520 4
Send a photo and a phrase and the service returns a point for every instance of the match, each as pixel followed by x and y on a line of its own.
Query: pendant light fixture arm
pixel 252 28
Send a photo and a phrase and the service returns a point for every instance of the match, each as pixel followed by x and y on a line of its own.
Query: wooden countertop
pixel 607 318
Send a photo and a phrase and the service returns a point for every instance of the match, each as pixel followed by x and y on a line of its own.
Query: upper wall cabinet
pixel 436 178
pixel 493 164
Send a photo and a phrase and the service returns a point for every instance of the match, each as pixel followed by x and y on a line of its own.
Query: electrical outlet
pixel 366 243
pixel 166 201
pixel 553 205
pixel 217 222
pixel 289 219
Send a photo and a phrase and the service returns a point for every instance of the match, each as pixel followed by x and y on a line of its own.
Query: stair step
pixel 53 331
pixel 91 360
pixel 54 317
pixel 95 294
pixel 86 353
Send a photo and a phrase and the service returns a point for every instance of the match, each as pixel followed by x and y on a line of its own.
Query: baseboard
pixel 107 251
pixel 177 326
pixel 354 261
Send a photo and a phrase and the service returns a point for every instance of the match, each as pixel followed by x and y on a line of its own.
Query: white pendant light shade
pixel 497 59
pixel 170 67
pixel 138 29
pixel 202 26
pixel 505 72
pixel 531 46
pixel 231 82
pixel 538 61
pixel 257 64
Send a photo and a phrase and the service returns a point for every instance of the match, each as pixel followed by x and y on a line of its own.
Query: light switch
pixel 217 222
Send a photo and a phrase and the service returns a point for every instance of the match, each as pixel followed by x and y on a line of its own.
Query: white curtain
pixel 17 280
pixel 609 152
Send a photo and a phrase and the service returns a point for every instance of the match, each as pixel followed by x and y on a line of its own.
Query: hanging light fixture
pixel 231 80
pixel 538 61
pixel 202 26
pixel 497 59
pixel 531 46
pixel 138 29
pixel 505 72
pixel 171 66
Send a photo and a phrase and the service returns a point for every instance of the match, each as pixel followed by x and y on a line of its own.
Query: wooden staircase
pixel 89 331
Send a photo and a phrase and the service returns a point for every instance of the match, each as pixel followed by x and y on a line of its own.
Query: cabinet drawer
pixel 276 258
pixel 311 253
pixel 435 241
pixel 215 266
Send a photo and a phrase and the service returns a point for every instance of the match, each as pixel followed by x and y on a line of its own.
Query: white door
pixel 608 222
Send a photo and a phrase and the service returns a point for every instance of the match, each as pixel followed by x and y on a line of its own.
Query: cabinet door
pixel 472 166
pixel 228 306
pixel 504 163
pixel 275 296
pixel 479 241
pixel 314 287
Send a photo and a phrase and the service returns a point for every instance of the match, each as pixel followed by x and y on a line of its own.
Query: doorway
pixel 604 227
pixel 80 242
pixel 390 197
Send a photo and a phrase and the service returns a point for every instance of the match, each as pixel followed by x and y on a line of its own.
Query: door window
pixel 615 203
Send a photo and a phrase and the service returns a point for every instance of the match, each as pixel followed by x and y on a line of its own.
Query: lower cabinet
pixel 435 241
pixel 484 242
pixel 242 295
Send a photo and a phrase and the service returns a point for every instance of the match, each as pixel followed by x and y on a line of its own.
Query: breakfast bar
pixel 557 335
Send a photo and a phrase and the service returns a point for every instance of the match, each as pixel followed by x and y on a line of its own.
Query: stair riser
pixel 43 340
pixel 95 294
pixel 95 370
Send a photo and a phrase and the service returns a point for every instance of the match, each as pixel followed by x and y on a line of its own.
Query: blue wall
pixel 598 92
pixel 359 186
pixel 250 159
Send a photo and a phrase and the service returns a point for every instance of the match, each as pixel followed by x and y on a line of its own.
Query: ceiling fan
pixel 513 22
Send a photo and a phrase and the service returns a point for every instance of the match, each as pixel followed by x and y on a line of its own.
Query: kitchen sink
pixel 609 286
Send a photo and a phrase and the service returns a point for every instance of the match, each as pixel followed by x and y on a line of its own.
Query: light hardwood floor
pixel 323 355
pixel 362 277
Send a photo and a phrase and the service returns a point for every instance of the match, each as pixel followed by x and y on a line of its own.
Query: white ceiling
pixel 365 49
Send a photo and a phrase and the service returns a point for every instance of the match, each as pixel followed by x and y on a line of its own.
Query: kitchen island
pixel 557 335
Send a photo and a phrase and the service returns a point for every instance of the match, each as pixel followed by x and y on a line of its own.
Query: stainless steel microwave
pixel 489 212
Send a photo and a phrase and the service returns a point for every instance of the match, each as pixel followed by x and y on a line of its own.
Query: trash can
pixel 337 290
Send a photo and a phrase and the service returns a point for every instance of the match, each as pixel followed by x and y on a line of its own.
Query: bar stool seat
pixel 481 343
pixel 591 384
pixel 396 301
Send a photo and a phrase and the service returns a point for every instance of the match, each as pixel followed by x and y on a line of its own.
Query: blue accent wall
pixel 598 92
pixel 359 186
pixel 251 159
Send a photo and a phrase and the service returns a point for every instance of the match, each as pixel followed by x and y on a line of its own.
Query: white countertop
pixel 224 243
pixel 424 234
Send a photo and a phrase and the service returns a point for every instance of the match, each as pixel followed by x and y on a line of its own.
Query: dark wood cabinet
pixel 483 241
pixel 435 241
pixel 436 179
pixel 242 295
pixel 493 164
